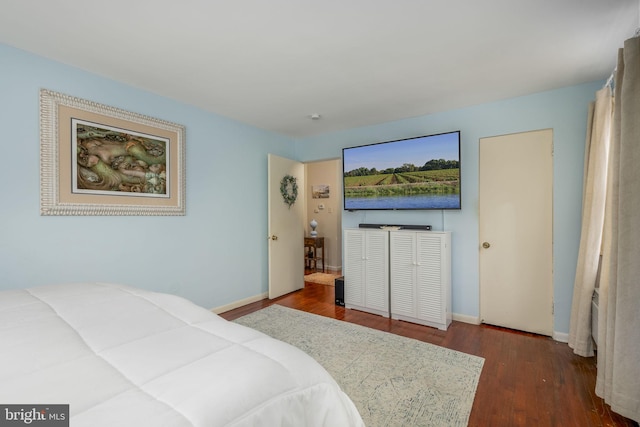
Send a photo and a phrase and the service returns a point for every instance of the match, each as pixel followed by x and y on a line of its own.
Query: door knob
pixel 486 245
pixel 274 237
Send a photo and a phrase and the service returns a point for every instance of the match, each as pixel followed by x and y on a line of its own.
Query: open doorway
pixel 323 203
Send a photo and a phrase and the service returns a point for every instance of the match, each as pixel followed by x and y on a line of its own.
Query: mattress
pixel 121 356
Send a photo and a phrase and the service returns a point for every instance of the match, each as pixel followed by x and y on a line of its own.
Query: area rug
pixel 393 380
pixel 321 278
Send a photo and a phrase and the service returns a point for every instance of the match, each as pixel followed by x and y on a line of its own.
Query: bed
pixel 121 356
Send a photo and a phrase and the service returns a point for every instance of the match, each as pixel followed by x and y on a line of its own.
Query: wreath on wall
pixel 289 189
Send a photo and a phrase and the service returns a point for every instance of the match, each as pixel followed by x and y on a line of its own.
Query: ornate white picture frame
pixel 100 160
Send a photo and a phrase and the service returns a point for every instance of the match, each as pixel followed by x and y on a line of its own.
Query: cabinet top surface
pixel 399 231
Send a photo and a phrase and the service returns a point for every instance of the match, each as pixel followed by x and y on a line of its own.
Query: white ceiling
pixel 273 63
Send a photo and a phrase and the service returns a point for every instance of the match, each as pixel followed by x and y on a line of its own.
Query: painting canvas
pixel 113 160
pixel 320 191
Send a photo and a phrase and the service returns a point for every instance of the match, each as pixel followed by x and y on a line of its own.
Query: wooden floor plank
pixel 527 379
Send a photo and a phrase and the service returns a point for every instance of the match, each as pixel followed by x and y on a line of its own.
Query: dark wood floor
pixel 527 379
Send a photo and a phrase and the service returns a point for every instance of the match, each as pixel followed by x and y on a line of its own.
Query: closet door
pixel 516 231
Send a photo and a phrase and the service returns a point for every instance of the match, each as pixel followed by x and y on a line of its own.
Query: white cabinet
pixel 420 277
pixel 404 274
pixel 366 270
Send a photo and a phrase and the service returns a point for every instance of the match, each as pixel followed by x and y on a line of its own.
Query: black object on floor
pixel 339 291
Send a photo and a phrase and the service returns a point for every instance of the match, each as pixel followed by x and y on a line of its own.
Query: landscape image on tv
pixel 415 173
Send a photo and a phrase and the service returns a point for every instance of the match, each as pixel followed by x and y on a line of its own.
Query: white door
pixel 516 226
pixel 286 228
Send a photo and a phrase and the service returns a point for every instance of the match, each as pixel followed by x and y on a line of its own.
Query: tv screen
pixel 413 173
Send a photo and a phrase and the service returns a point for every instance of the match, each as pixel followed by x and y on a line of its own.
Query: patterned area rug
pixel 321 278
pixel 393 380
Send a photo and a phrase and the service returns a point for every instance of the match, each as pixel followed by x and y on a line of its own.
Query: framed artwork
pixel 100 160
pixel 320 191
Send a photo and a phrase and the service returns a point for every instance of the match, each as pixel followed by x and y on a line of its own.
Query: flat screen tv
pixel 413 173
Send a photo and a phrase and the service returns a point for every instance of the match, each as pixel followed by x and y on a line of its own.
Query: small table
pixel 311 246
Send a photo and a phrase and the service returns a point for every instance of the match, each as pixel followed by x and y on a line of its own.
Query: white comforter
pixel 122 356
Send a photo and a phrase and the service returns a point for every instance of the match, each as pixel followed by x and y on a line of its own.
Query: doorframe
pixel 335 191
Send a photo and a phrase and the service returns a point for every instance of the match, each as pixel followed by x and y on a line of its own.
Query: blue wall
pixel 214 255
pixel 217 253
pixel 563 110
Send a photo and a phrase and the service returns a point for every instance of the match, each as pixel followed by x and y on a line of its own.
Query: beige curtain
pixel 593 207
pixel 618 375
pixel 611 227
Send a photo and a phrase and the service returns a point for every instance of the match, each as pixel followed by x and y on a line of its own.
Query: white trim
pixel 474 320
pixel 333 269
pixel 240 303
pixel 560 336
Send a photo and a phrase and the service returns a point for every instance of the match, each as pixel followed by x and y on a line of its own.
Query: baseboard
pixel 466 319
pixel 327 271
pixel 240 303
pixel 557 336
pixel 560 336
pixel 332 269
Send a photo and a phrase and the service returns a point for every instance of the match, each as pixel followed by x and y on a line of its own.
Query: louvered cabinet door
pixel 403 274
pixel 430 292
pixel 366 270
pixel 377 272
pixel 420 271
pixel 354 267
